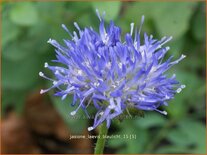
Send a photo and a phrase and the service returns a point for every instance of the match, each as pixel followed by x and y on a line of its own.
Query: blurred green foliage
pixel 26 27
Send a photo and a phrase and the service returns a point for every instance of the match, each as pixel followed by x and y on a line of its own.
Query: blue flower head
pixel 101 70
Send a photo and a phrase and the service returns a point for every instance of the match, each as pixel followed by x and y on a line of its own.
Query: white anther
pixel 73 113
pixel 46 65
pixel 178 90
pixel 164 112
pixel 167 40
pixel 163 38
pixel 87 63
pixel 111 107
pixel 50 41
pixel 126 88
pixel 65 28
pixel 96 84
pixel 64 96
pixel 167 97
pixel 120 64
pixel 57 72
pixel 108 65
pixel 90 128
pixel 99 55
pixel 142 21
pixel 41 74
pixel 41 91
pixel 183 56
pixel 132 28
pixel 182 86
pixel 97 12
pixel 167 48
pixel 174 75
pixel 76 25
pixel 80 72
pixel 159 46
pixel 141 98
pixel 113 85
pixel 55 82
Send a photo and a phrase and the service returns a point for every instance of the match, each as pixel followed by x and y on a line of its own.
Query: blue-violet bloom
pixel 101 70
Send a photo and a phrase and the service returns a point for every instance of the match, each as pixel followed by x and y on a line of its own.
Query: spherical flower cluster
pixel 101 70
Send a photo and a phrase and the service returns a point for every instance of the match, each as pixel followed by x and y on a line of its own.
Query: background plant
pixel 26 27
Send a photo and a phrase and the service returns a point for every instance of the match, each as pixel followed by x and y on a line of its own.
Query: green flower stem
pixel 103 130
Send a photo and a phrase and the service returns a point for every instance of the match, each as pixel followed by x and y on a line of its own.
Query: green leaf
pixel 179 137
pixel 58 33
pixel 174 22
pixel 188 133
pixel 150 120
pixel 127 145
pixel 86 20
pixel 133 14
pixel 179 106
pixel 78 6
pixel 112 9
pixel 20 74
pixel 115 143
pixel 196 132
pixel 16 51
pixel 198 24
pixel 22 48
pixel 9 32
pixel 77 124
pixel 13 98
pixel 173 149
pixel 167 23
pixel 52 17
pixel 176 46
pixel 24 14
pixel 39 37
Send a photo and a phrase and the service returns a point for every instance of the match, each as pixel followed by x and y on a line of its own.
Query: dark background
pixel 34 123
